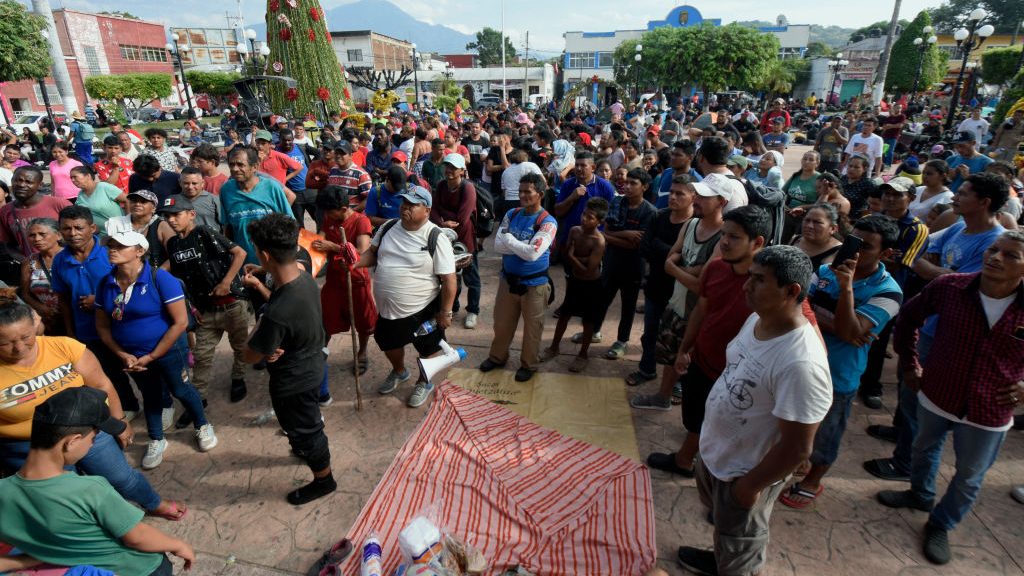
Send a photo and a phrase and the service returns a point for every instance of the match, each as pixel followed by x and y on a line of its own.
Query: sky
pixel 545 27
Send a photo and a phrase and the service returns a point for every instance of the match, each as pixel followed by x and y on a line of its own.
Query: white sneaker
pixel 420 394
pixel 154 454
pixel 470 322
pixel 326 402
pixel 167 418
pixel 206 438
pixel 595 339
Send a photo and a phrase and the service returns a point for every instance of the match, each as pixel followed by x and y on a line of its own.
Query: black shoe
pixel 238 390
pixel 936 544
pixel 885 469
pixel 667 463
pixel 871 401
pixel 318 488
pixel 524 374
pixel 261 365
pixel 698 561
pixel 488 365
pixel 903 499
pixel 883 433
pixel 186 419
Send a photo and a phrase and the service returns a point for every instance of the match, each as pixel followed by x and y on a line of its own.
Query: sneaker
pixel 167 418
pixel 470 322
pixel 617 351
pixel 936 544
pixel 392 381
pixel 420 393
pixel 667 463
pixel 650 402
pixel 154 454
pixel 524 374
pixel 487 365
pixel 186 419
pixel 595 339
pixel 677 393
pixel 871 401
pixel 325 402
pixel 701 562
pixel 205 437
pixel 903 499
pixel 1018 494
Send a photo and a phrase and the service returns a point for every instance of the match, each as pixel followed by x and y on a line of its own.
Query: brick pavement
pixel 240 524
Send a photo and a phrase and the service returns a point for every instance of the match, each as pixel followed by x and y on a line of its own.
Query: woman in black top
pixel 818 240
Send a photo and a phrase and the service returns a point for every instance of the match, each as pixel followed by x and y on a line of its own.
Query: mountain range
pixel 386 18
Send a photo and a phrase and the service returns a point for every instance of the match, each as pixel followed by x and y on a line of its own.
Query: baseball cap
pixel 402 157
pixel 654 129
pixel 455 160
pixel 263 135
pixel 704 189
pixel 963 137
pixel 81 406
pixel 938 149
pixel 176 203
pixel 418 195
pixel 738 160
pixel 779 120
pixel 129 238
pixel 900 184
pixel 344 146
pixel 146 195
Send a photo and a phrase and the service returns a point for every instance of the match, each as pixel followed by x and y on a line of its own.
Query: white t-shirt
pixel 405 278
pixel 513 174
pixel 738 197
pixel 977 127
pixel 6 176
pixel 921 208
pixel 785 378
pixel 869 147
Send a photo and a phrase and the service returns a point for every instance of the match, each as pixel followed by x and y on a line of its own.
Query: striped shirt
pixel 353 179
pixel 520 493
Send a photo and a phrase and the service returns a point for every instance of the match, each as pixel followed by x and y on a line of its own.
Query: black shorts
pixel 583 299
pixel 395 334
pixel 696 387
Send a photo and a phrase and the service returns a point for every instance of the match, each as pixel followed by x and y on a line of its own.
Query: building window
pixel 143 53
pixel 581 60
pixel 605 60
pixel 51 91
pixel 355 55
pixel 92 60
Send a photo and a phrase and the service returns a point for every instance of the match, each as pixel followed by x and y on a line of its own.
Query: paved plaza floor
pixel 240 524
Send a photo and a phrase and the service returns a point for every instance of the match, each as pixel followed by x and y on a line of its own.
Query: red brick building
pixel 93 44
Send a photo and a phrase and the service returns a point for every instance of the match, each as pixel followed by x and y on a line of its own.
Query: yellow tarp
pixel 594 410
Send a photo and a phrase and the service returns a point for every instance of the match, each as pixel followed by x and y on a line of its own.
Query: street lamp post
pixel 176 51
pixel 638 58
pixel 415 73
pixel 967 39
pixel 837 66
pixel 922 45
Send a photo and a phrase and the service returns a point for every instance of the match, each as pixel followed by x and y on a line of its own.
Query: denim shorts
pixel 830 432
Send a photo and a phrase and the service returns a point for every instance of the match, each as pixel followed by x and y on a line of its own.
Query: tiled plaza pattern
pixel 240 524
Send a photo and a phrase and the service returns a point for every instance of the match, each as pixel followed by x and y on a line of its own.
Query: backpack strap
pixel 537 222
pixel 431 237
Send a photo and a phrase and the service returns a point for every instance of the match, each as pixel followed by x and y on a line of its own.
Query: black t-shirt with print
pixel 201 260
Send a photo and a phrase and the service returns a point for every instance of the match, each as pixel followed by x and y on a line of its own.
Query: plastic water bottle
pixel 425 328
pixel 372 564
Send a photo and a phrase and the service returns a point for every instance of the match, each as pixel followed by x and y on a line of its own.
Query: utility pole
pixel 60 68
pixel 526 70
pixel 504 81
pixel 883 61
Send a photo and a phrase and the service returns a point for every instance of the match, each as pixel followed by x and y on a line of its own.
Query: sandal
pixel 547 354
pixel 175 511
pixel 363 364
pixel 637 378
pixel 330 563
pixel 800 499
pixel 578 364
pixel 802 469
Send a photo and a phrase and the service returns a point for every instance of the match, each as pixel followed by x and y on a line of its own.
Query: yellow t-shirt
pixel 22 388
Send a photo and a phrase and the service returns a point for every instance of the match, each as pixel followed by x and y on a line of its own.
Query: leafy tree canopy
pixel 129 91
pixel 23 50
pixel 1003 14
pixel 999 65
pixel 212 83
pixel 816 48
pixel 905 58
pixel 882 25
pixel 488 47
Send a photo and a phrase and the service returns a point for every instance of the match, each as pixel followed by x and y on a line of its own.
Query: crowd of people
pixel 770 295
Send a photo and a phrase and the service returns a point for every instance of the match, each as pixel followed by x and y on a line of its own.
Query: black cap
pixel 174 204
pixel 344 146
pixel 80 406
pixel 964 136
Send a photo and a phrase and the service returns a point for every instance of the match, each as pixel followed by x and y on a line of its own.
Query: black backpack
pixel 483 221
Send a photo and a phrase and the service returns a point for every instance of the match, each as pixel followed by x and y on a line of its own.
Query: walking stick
pixel 352 325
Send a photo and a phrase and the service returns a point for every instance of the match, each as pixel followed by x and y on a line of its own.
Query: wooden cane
pixel 352 325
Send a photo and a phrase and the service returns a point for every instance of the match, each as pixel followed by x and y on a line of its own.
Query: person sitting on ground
pixel 778 138
pixel 86 522
pixel 856 185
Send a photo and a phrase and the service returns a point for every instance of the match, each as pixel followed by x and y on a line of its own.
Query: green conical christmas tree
pixel 300 47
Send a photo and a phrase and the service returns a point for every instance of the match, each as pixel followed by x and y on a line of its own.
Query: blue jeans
pixel 649 339
pixel 906 424
pixel 887 156
pixel 104 459
pixel 471 276
pixel 84 151
pixel 831 430
pixel 975 450
pixel 168 373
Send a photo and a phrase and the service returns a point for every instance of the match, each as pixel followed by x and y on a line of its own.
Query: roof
pixel 484 74
pixel 355 33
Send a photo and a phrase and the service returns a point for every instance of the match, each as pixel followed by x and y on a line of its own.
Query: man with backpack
pixel 523 239
pixel 455 207
pixel 83 133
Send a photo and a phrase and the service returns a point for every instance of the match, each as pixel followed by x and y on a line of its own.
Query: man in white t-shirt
pixel 867 144
pixel 976 125
pixel 761 415
pixel 520 166
pixel 711 159
pixel 413 284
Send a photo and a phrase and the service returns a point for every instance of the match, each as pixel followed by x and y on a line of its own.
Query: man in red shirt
pixel 892 128
pixel 354 180
pixel 28 205
pixel 279 166
pixel 454 207
pixel 776 110
pixel 114 168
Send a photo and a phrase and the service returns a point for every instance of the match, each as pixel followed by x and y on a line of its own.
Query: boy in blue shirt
pixel 966 161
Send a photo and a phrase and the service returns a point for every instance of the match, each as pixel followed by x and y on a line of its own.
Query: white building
pixel 369 49
pixel 538 81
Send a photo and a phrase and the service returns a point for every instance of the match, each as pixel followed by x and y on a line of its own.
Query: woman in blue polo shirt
pixel 141 317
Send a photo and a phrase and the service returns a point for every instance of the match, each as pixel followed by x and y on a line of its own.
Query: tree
pixel 999 65
pixel 374 80
pixel 300 47
pixel 818 48
pixel 212 83
pixel 23 51
pixel 488 47
pixel 448 95
pixel 1003 14
pixel 626 67
pixel 882 25
pixel 129 91
pixel 905 58
pixel 1010 97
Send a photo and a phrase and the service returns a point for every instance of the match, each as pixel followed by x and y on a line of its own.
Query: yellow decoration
pixel 384 101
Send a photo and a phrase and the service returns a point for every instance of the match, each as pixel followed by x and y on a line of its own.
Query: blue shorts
pixel 830 432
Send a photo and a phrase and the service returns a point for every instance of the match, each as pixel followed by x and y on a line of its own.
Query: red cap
pixel 400 156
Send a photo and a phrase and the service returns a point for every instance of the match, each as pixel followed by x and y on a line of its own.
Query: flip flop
pixel 330 563
pixel 363 364
pixel 578 364
pixel 637 378
pixel 800 499
pixel 176 511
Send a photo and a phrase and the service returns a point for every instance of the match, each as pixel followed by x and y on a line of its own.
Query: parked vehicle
pixel 31 120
